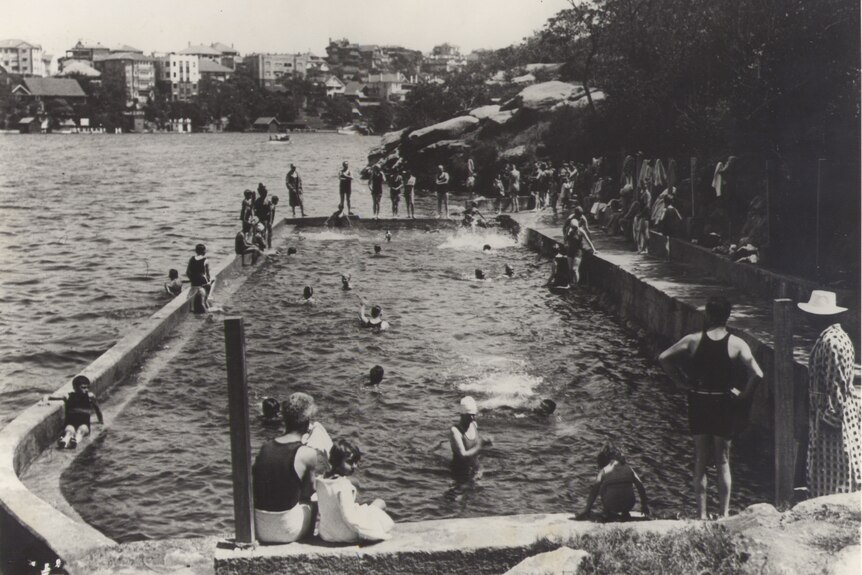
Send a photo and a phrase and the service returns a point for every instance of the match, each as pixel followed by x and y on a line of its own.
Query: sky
pixel 274 25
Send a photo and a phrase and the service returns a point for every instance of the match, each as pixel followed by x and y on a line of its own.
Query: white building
pixel 178 75
pixel 20 57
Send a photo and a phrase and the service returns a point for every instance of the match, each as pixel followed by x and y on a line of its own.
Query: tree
pixel 338 111
pixel 383 118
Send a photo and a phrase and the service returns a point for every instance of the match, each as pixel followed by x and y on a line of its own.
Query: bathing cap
pixel 468 406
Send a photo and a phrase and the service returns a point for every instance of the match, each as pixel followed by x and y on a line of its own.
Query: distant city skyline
pixel 275 25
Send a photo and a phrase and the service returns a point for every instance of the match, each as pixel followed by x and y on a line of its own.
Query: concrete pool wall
pixel 28 522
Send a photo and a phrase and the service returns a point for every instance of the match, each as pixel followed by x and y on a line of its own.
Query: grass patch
pixel 696 550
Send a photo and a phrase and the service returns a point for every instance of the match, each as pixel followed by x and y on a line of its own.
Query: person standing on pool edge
pixel 442 183
pixel 293 182
pixel 376 185
pixel 345 181
pixel 465 441
pixel 712 397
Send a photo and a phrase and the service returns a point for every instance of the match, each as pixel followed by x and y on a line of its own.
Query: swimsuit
pixel 78 408
pixel 710 403
pixel 196 271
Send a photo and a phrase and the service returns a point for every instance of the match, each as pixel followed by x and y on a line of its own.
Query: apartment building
pixel 268 68
pixel 132 72
pixel 25 58
pixel 178 75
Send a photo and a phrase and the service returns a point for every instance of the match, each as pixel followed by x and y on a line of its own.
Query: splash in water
pixel 498 381
pixel 465 240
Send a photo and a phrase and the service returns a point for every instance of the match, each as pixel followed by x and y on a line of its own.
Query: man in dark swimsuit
pixel 345 181
pixel 712 398
pixel 263 212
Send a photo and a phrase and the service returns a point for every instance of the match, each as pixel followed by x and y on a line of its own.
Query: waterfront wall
pixel 668 318
pixel 30 527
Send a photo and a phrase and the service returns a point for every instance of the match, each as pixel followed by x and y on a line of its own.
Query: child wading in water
pixel 80 403
pixel 616 484
pixel 342 519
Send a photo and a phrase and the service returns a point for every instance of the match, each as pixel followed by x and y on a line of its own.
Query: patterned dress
pixel 834 416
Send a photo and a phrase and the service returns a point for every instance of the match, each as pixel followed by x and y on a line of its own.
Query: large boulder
pixel 483 112
pixel 449 130
pixel 581 102
pixel 544 96
pixel 563 561
pixel 390 140
pixel 450 146
pixel 514 154
pixel 501 118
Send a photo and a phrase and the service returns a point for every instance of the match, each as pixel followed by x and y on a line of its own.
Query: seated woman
pixel 283 477
pixel 342 519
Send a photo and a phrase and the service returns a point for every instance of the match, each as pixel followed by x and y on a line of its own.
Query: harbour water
pixel 90 225
pixel 163 468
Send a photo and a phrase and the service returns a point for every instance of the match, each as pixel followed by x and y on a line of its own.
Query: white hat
pixel 821 303
pixel 468 406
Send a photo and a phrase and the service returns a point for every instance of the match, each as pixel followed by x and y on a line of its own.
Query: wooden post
pixel 782 390
pixel 240 443
pixel 769 239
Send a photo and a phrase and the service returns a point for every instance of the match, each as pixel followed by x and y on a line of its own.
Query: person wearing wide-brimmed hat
pixel 834 402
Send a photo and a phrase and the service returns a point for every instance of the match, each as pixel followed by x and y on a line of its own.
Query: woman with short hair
pixel 283 477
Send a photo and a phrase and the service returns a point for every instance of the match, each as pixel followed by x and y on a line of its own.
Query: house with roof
pixel 25 58
pixel 212 73
pixel 79 68
pixel 266 124
pixel 387 86
pixel 229 54
pixel 202 52
pixel 39 90
pixel 178 75
pixel 333 86
pixel 31 125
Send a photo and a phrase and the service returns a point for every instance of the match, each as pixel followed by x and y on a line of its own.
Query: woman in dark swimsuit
pixel 465 441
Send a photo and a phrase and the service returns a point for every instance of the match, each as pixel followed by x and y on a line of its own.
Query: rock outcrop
pixel 449 130
pixel 544 96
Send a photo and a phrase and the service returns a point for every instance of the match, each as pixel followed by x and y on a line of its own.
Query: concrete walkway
pixel 751 314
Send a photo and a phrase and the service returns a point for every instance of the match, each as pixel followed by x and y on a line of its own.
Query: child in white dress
pixel 342 519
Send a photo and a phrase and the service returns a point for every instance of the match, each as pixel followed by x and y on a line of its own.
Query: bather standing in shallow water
pixel 465 440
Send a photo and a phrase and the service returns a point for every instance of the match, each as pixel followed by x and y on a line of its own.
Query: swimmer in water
pixel 375 320
pixel 291 251
pixel 375 376
pixel 486 248
pixel 270 411
pixel 508 270
pixel 174 286
pixel 616 483
pixel 308 295
pixel 464 439
pixel 345 282
pixel 388 236
pixel 480 275
pixel 377 250
pixel 428 230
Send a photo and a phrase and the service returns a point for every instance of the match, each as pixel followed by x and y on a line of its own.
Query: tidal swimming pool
pixel 163 468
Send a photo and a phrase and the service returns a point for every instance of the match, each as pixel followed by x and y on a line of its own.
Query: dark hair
pixel 548 406
pixel 376 249
pixel 486 247
pixel 579 211
pixel 200 249
pixel 717 311
pixel 610 452
pixel 274 200
pixel 80 380
pixel 270 408
pixel 342 450
pixel 173 274
pixel 376 374
pixel 291 250
pixel 480 275
pixel 307 292
pixel 248 193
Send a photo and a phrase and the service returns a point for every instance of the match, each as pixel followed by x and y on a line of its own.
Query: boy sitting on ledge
pixel 79 403
pixel 616 483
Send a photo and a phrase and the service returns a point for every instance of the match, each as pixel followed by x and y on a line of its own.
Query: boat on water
pixel 279 139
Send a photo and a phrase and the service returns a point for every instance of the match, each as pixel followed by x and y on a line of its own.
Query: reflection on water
pixel 91 225
pixel 507 342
